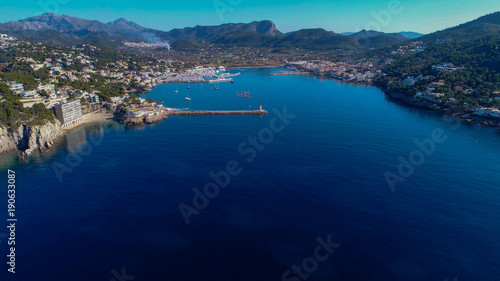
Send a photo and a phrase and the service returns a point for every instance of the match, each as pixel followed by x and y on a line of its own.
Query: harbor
pixel 198 81
pixel 202 75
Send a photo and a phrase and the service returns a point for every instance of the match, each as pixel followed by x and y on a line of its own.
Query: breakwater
pixel 217 112
pixel 160 116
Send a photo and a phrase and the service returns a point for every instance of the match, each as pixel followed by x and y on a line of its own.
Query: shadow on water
pixel 70 143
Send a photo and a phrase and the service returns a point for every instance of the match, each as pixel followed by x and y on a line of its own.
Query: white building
pixel 136 113
pixel 16 87
pixel 48 88
pixel 90 97
pixel 69 112
pixel 29 94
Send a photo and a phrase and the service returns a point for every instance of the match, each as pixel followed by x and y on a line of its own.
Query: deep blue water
pixel 322 176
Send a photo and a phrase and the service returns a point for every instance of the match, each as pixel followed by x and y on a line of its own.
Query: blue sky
pixel 340 16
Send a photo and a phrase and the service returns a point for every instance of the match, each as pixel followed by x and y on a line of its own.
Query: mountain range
pixel 66 30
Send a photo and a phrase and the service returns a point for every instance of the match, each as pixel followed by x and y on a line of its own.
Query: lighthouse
pixel 260 107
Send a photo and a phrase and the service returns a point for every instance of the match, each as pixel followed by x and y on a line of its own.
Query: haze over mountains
pixel 66 30
pixel 75 29
pixel 372 33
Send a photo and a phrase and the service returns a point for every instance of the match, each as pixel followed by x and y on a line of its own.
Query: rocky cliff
pixel 88 108
pixel 29 138
pixel 144 120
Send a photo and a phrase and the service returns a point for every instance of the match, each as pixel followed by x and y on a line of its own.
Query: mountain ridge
pixel 67 30
pixel 75 28
pixel 486 24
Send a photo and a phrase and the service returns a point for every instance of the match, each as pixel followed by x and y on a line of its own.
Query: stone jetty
pixel 218 112
pixel 165 114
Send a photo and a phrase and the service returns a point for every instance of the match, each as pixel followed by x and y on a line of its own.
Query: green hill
pixel 484 25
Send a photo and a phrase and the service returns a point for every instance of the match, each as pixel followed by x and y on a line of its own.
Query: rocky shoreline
pixel 469 117
pixel 29 138
pixel 403 99
pixel 131 121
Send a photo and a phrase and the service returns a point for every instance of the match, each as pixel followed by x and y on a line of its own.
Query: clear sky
pixel 423 16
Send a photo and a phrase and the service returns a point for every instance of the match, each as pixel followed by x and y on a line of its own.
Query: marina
pixel 211 81
pixel 203 75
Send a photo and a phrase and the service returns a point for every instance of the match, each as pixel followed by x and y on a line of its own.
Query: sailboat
pixel 217 87
pixel 176 91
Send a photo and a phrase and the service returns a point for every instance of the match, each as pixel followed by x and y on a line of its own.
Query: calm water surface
pixel 322 176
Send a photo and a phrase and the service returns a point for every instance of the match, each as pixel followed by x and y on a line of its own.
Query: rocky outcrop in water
pixel 158 117
pixel 29 138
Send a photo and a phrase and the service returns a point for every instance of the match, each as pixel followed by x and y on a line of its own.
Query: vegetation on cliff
pixel 12 113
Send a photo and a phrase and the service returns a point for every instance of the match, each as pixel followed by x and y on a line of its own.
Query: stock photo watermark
pixel 12 220
pixel 383 18
pixel 224 6
pixel 121 276
pixel 310 264
pixel 52 6
pixel 380 20
pixel 222 179
pixel 416 158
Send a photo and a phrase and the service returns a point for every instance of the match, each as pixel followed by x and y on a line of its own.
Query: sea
pixel 336 182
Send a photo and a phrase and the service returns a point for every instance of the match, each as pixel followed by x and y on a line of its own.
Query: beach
pixel 97 117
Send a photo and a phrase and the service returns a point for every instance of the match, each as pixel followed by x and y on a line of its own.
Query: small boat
pixel 187 98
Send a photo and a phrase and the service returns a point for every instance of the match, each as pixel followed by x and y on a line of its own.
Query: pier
pixel 217 112
pixel 158 117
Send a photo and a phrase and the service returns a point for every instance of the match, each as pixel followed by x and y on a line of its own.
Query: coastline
pixel 254 66
pixel 404 100
pixel 44 143
pixel 44 137
pixel 468 117
pixel 97 116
